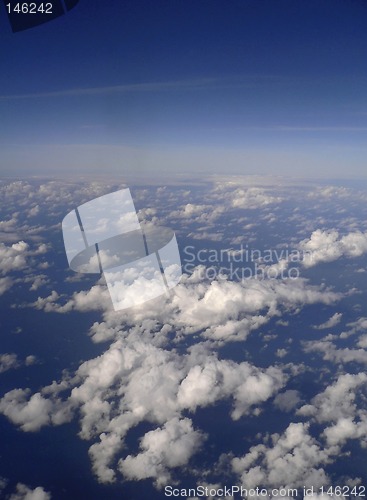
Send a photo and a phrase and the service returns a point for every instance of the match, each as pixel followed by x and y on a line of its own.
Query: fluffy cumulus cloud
pixel 295 459
pixel 165 361
pixel 288 400
pixel 246 384
pixel 158 386
pixel 331 353
pixel 206 235
pixel 338 193
pixel 337 405
pixel 8 361
pixel 31 412
pixel 327 246
pixel 5 285
pixel 337 401
pixel 13 257
pixel 252 198
pixel 330 323
pixel 94 299
pixel 221 310
pixel 347 428
pixel 321 247
pixel 23 492
pixel 201 214
pixel 163 449
pixel 134 382
pixel 137 379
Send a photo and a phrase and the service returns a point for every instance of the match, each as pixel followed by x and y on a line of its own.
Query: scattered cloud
pixel 163 449
pixel 294 460
pixel 8 362
pixel 330 323
pixel 331 353
pixel 252 198
pixel 221 310
pixel 165 362
pixel 14 257
pixel 337 400
pixel 327 246
pixel 338 405
pixel 132 382
pixel 23 492
pixel 5 284
pixel 118 89
pixel 288 400
pixel 31 413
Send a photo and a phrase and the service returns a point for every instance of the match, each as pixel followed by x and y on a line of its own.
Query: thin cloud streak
pixel 320 129
pixel 119 89
pixel 198 83
pixel 299 128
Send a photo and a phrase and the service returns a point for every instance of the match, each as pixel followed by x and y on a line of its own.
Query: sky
pixel 187 87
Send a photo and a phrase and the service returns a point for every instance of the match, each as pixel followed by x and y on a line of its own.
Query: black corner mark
pixel 24 15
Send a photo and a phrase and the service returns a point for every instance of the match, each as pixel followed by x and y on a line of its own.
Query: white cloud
pixel 30 360
pixel 31 413
pixel 134 381
pixel 252 198
pixel 94 299
pixel 23 492
pixel 216 380
pixel 331 322
pixel 17 257
pixel 34 211
pixel 347 428
pixel 337 401
pixel 14 257
pixel 8 362
pixel 141 377
pixel 163 449
pixel 197 213
pixel 331 353
pixel 362 341
pixel 288 400
pixel 327 246
pixel 293 461
pixel 5 285
pixel 338 193
pixel 337 404
pixel 281 353
pixel 221 310
pixel 321 247
pixel 202 234
pixel 38 282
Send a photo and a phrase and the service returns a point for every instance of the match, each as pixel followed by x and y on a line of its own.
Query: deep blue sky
pixel 245 86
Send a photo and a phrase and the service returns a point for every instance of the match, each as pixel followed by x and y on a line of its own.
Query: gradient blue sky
pixel 152 87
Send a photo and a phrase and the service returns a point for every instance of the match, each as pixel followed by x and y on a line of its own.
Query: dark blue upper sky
pixel 245 86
